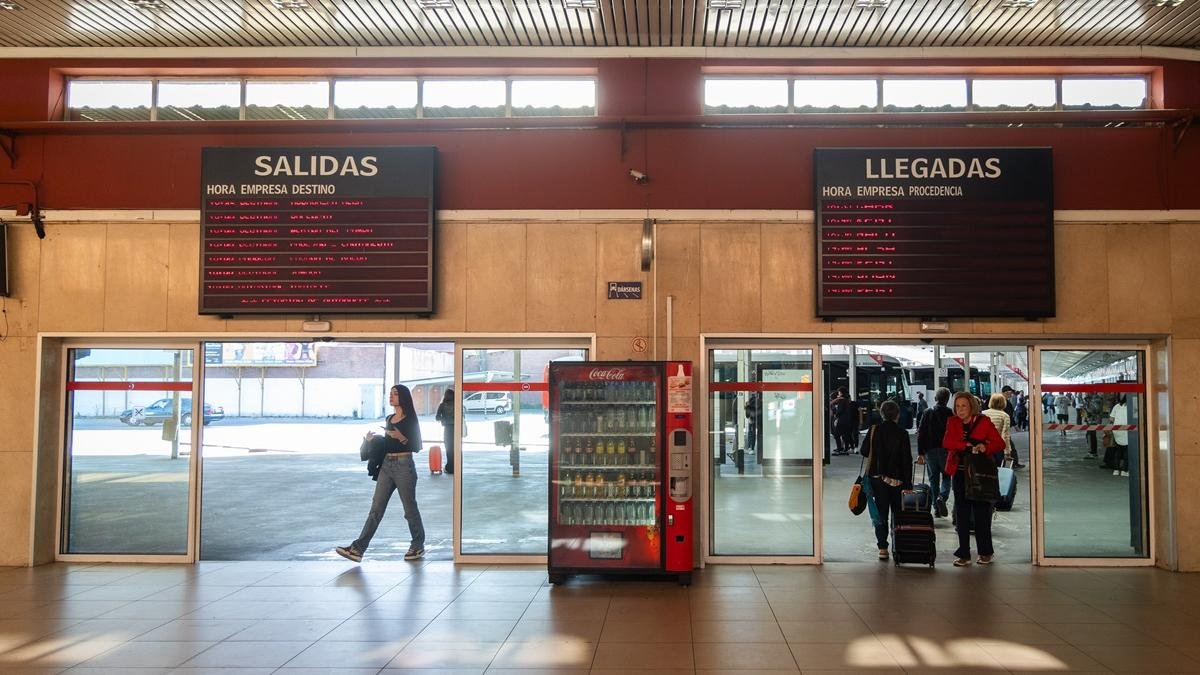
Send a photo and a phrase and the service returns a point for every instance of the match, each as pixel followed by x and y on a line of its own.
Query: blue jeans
pixel 399 474
pixel 935 464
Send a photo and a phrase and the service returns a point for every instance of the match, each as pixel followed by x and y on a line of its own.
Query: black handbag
pixel 983 478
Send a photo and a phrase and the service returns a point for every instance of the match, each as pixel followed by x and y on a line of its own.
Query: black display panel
pixel 317 230
pixel 934 232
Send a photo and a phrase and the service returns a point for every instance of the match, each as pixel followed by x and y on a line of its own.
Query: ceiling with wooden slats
pixel 599 23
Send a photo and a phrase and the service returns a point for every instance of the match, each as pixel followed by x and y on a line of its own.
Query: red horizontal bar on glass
pixel 1114 388
pixel 505 386
pixel 760 386
pixel 129 386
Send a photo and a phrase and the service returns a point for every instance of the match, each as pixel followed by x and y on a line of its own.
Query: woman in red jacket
pixel 970 432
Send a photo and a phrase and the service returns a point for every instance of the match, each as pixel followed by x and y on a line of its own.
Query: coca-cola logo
pixel 607 374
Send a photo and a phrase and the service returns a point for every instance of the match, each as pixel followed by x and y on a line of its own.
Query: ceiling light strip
pixel 36 21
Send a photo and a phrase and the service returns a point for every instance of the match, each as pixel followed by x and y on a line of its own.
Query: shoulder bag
pixel 983 478
pixel 860 491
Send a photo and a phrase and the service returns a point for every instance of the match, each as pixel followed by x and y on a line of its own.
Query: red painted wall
pixel 689 168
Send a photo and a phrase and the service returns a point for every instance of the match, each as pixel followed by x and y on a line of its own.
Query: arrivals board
pixel 317 230
pixel 934 232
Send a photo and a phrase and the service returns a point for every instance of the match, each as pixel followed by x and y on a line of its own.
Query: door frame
pixel 1149 440
pixel 704 374
pixel 586 342
pixel 194 457
pixel 1033 345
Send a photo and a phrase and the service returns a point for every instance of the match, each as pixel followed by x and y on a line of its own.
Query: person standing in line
pixel 1120 416
pixel 753 410
pixel 831 424
pixel 845 420
pixel 445 415
pixel 1062 408
pixel 1022 407
pixel 929 449
pixel 1010 410
pixel 890 468
pixel 396 471
pixel 970 432
pixel 922 406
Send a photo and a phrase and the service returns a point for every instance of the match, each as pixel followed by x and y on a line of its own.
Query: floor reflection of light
pixel 554 651
pixel 910 651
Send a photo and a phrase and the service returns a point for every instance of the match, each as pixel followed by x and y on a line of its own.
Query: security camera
pixel 638 177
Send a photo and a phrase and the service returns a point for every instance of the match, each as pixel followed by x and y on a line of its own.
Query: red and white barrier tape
pixel 1091 427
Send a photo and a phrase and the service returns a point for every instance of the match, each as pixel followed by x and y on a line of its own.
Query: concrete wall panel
pixel 731 278
pixel 495 277
pixel 72 285
pixel 561 277
pixel 135 281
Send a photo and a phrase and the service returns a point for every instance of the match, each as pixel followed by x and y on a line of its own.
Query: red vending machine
pixel 620 469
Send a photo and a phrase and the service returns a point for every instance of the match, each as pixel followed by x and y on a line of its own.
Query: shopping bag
pixel 983 480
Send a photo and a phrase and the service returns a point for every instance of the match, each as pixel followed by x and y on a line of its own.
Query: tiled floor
pixel 436 617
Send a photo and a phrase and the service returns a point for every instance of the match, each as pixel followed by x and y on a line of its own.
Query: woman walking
pixel 889 467
pixel 396 471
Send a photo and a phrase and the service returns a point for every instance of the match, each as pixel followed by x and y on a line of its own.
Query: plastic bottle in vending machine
pixel 620 458
pixel 621 489
pixel 610 513
pixel 612 452
pixel 589 452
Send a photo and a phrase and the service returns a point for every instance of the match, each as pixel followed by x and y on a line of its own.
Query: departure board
pixel 317 230
pixel 934 232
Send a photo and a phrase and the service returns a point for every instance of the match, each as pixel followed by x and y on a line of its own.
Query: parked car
pixel 498 402
pixel 161 411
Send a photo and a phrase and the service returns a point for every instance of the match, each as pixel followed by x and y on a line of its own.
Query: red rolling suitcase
pixel 435 459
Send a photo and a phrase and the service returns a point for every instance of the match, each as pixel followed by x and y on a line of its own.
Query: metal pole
pixel 515 452
pixel 175 407
pixel 852 377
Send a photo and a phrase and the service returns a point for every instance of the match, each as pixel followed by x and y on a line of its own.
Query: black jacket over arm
pixel 410 427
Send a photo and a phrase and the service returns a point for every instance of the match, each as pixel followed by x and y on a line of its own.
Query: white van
pixel 498 402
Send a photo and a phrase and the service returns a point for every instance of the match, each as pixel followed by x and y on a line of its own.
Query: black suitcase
pixel 913 540
pixel 920 497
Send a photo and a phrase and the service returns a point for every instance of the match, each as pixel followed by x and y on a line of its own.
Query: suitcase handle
pixel 914 474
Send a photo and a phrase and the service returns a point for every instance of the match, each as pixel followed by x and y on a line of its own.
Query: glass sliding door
pixel 128 465
pixel 760 431
pixel 282 475
pixel 503 465
pixel 1094 469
